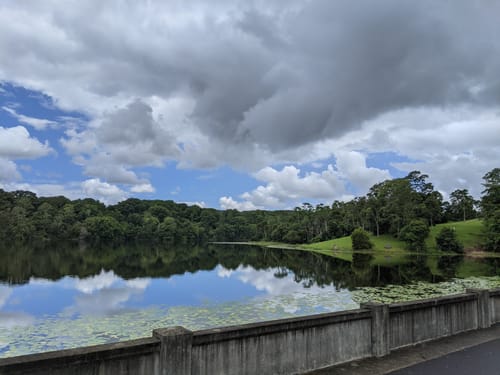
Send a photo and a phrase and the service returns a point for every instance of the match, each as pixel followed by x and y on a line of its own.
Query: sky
pixel 246 104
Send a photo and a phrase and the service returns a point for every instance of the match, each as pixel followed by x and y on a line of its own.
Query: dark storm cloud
pixel 286 78
pixel 274 74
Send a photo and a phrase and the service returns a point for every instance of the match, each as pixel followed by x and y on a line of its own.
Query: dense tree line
pixel 390 207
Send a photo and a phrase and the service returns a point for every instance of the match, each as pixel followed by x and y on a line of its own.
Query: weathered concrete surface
pixel 285 346
pixel 419 321
pixel 495 305
pixel 380 328
pixel 402 359
pixel 483 307
pixel 175 350
pixel 128 357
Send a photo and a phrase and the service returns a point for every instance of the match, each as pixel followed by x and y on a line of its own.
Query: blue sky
pixel 245 104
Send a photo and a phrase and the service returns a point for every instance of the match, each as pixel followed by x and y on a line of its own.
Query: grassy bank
pixel 469 233
pixel 389 250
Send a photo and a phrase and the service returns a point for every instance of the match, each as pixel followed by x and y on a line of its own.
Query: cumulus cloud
pixel 103 191
pixel 311 68
pixel 142 188
pixel 93 188
pixel 228 203
pixel 251 84
pixel 288 187
pixel 455 146
pixel 352 167
pixel 71 190
pixel 118 141
pixel 16 143
pixel 8 170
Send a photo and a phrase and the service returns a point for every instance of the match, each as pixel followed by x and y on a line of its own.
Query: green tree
pixel 446 240
pixel 462 205
pixel 168 229
pixel 293 236
pixel 490 201
pixel 361 240
pixel 490 204
pixel 104 228
pixel 414 234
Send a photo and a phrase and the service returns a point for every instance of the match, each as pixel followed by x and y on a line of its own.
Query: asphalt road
pixel 483 359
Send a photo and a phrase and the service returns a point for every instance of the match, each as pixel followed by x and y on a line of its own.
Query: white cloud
pixel 16 143
pixel 454 146
pixel 8 170
pixel 252 84
pixel 201 204
pixel 37 123
pixel 265 280
pixel 94 188
pixel 119 141
pixel 228 203
pixel 71 190
pixel 352 165
pixel 105 293
pixel 103 191
pixel 93 283
pixel 288 187
pixel 138 283
pixel 142 188
pixel 104 301
pixel 224 272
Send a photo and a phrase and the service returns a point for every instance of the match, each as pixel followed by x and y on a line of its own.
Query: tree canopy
pixel 391 207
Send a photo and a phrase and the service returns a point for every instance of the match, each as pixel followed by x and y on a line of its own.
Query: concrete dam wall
pixel 284 346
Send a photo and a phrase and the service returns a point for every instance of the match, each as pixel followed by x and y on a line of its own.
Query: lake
pixel 76 296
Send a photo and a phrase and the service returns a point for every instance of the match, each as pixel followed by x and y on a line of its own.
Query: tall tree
pixel 490 204
pixel 462 204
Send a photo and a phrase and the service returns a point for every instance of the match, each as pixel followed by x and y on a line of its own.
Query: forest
pixel 389 207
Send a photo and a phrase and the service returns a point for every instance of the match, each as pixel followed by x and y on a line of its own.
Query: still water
pixel 66 297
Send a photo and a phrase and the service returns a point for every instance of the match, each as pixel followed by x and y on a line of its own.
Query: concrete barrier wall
pixel 128 357
pixel 283 347
pixel 276 347
pixel 411 323
pixel 495 305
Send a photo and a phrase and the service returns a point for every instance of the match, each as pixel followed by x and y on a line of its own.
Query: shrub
pixel 414 234
pixel 361 240
pixel 446 240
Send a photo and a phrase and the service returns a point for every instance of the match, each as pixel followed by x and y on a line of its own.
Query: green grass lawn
pixel 381 243
pixel 388 250
pixel 469 233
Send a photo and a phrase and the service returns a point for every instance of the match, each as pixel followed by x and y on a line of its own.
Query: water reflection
pixel 10 319
pixel 364 269
pixel 65 297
